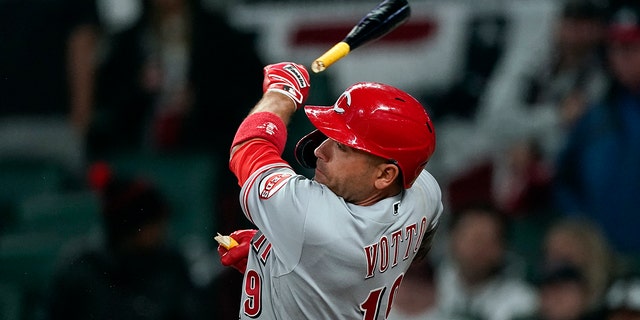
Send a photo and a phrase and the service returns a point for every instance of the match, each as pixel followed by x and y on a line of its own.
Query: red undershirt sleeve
pixel 253 155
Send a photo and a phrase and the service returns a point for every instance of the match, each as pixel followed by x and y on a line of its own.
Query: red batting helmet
pixel 378 119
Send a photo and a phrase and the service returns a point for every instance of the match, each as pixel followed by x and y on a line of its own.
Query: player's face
pixel 348 172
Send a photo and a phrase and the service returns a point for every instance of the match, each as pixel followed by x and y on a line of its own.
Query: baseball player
pixel 336 246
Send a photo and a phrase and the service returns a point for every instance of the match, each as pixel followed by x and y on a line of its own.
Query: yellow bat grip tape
pixel 334 54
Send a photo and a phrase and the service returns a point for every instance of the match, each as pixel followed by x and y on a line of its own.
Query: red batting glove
pixel 288 78
pixel 236 257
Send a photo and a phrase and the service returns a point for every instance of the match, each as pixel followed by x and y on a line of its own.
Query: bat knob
pixel 334 54
pixel 318 66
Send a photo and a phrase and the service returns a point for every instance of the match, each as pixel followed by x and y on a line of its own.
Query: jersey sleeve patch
pixel 272 183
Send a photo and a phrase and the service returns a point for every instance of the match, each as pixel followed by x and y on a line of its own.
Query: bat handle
pixel 337 52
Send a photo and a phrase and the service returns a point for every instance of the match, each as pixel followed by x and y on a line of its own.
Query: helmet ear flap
pixel 304 150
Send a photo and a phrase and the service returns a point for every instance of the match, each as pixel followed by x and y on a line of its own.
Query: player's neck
pixel 377 196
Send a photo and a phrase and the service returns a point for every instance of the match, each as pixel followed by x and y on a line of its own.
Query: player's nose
pixel 321 151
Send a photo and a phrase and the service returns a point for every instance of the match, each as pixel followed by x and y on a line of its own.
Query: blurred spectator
pixel 522 185
pixel 416 298
pixel 580 243
pixel 47 63
pixel 538 87
pixel 623 298
pixel 563 294
pixel 157 88
pixel 542 95
pixel 481 280
pixel 598 175
pixel 178 79
pixel 132 273
pixel 524 114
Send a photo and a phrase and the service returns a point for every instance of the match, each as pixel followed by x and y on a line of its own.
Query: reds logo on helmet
pixel 345 100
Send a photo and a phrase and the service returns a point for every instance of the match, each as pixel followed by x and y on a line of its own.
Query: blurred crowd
pixel 541 204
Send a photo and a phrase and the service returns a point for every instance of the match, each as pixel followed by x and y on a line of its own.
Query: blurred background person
pixel 521 184
pixel 157 90
pixel 563 294
pixel 580 243
pixel 542 95
pixel 480 279
pixel 416 297
pixel 130 273
pixel 48 57
pixel 598 175
pixel 533 95
pixel 524 113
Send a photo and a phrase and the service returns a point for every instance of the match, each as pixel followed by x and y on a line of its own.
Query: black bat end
pixel 384 18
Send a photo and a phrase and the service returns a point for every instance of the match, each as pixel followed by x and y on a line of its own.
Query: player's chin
pixel 319 177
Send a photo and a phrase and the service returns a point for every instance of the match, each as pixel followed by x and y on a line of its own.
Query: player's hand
pixel 236 257
pixel 288 78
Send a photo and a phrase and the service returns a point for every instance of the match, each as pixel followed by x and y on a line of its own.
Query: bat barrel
pixel 384 18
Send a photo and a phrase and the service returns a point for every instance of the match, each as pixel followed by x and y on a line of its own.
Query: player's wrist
pixel 278 99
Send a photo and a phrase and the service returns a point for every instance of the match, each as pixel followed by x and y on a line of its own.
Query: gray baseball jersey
pixel 319 257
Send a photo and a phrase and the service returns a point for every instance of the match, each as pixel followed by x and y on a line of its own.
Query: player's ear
pixel 388 174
